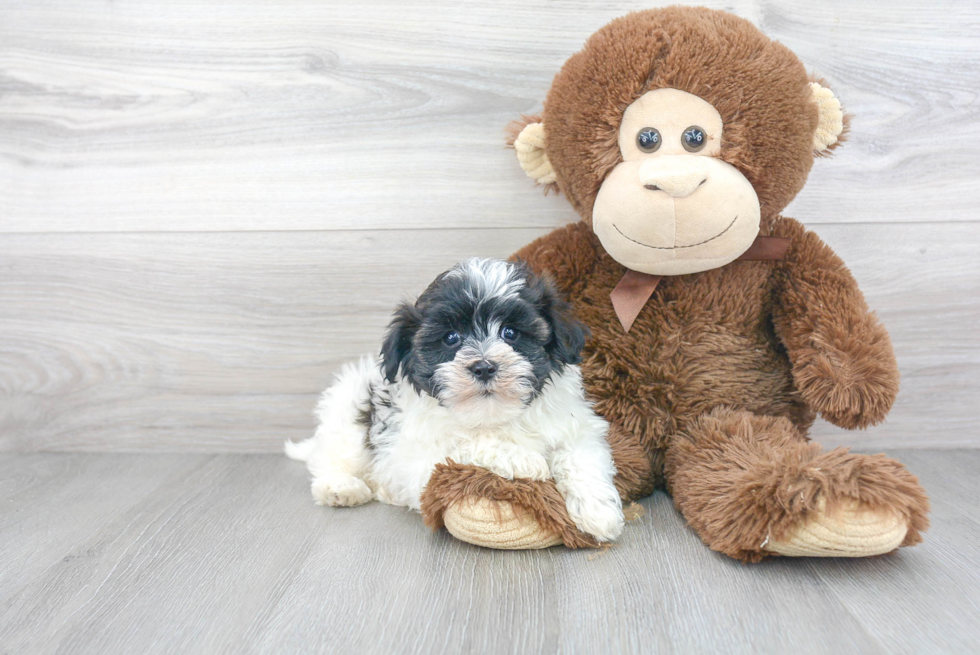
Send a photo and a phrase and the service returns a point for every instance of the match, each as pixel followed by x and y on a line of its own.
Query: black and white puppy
pixel 481 369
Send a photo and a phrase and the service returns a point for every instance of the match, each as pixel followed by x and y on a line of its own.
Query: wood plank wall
pixel 206 207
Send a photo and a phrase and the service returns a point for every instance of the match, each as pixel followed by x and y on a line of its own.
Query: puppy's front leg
pixel 583 472
pixel 401 471
pixel 505 458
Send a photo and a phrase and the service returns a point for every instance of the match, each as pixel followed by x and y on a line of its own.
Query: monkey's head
pixel 679 134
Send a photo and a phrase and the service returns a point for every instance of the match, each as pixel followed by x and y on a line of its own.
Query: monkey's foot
pixel 851 530
pixel 494 524
pixel 484 509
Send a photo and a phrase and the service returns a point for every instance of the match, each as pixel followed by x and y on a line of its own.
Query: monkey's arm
pixel 842 357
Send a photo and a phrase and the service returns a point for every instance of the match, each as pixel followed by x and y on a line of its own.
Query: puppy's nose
pixel 483 370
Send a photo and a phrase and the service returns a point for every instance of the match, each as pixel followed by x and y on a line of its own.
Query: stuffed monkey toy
pixel 720 328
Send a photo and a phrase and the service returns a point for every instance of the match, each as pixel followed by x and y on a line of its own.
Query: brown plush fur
pixel 741 479
pixel 758 86
pixel 712 391
pixel 452 483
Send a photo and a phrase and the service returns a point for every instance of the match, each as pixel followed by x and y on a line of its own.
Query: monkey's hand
pixel 848 375
pixel 842 357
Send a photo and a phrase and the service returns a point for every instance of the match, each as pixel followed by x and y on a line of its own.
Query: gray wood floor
pixel 199 553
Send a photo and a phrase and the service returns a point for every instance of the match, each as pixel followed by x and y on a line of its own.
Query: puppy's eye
pixel 648 139
pixel 451 339
pixel 694 139
pixel 508 334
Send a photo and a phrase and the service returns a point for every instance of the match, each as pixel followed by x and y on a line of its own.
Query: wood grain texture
pixel 53 504
pixel 222 342
pixel 145 116
pixel 229 554
pixel 206 208
pixel 191 342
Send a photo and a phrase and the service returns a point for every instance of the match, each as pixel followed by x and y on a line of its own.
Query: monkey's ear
pixel 832 123
pixel 527 137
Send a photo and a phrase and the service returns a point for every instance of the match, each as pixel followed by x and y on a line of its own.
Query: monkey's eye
pixel 451 338
pixel 508 334
pixel 648 139
pixel 694 139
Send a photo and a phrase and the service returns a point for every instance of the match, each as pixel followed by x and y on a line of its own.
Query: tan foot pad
pixel 852 531
pixel 478 522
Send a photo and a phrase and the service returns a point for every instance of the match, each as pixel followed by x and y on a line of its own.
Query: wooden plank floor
pixel 196 553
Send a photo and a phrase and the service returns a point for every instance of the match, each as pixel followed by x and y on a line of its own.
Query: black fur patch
pixel 383 411
pixel 365 418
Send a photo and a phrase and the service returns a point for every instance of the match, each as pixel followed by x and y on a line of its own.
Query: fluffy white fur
pixel 556 435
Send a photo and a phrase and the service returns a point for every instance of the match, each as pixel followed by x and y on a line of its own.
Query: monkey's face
pixel 672 206
pixel 679 134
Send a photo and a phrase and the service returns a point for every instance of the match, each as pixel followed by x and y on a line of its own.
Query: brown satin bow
pixel 635 289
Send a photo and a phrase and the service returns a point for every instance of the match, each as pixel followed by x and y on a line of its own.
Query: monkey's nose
pixel 483 370
pixel 677 178
pixel 679 186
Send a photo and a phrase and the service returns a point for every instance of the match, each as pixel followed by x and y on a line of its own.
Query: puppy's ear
pixel 568 334
pixel 398 341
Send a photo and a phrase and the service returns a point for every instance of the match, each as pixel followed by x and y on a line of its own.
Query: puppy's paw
pixel 340 491
pixel 530 464
pixel 510 462
pixel 602 520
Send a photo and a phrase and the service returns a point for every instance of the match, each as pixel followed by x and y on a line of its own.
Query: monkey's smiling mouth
pixel 693 245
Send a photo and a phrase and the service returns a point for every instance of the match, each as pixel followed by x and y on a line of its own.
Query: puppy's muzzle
pixel 483 370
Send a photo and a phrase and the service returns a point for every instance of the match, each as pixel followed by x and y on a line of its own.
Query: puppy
pixel 481 369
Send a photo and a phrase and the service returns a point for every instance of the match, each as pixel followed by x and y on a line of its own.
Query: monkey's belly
pixel 659 385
